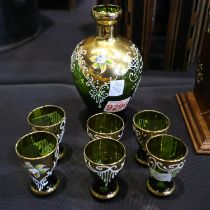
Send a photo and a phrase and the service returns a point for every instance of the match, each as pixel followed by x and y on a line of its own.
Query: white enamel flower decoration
pixel 36 170
pixel 100 62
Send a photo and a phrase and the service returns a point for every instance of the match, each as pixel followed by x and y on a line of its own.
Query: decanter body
pixel 106 68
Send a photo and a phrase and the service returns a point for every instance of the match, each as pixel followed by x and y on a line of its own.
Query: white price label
pixel 164 177
pixel 116 87
pixel 116 106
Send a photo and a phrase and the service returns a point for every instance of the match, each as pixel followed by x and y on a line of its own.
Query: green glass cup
pixel 148 123
pixel 166 157
pixel 105 125
pixel 49 118
pixel 104 158
pixel 38 153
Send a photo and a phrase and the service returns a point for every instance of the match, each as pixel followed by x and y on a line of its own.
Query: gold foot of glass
pixel 53 183
pixel 62 152
pixel 107 196
pixel 141 161
pixel 158 192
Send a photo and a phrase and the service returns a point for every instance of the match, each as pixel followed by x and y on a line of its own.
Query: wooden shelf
pixel 195 121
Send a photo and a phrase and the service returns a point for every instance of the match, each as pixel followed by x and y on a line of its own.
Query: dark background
pixel 37 73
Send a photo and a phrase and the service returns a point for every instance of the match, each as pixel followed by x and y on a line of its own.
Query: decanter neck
pixel 106 16
pixel 105 32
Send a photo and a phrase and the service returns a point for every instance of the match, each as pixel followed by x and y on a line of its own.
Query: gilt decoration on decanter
pixel 106 68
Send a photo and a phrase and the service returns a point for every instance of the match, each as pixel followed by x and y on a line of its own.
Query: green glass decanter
pixel 106 68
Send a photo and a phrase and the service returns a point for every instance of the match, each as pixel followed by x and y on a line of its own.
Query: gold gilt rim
pixel 37 158
pixel 101 113
pixel 105 197
pixel 61 154
pixel 46 126
pixel 149 131
pixel 105 139
pixel 160 159
pixel 113 15
pixel 140 161
pixel 161 194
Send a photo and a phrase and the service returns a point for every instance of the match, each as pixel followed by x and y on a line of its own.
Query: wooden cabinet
pixel 195 105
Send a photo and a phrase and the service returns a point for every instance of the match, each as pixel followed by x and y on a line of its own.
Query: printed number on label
pixel 116 106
